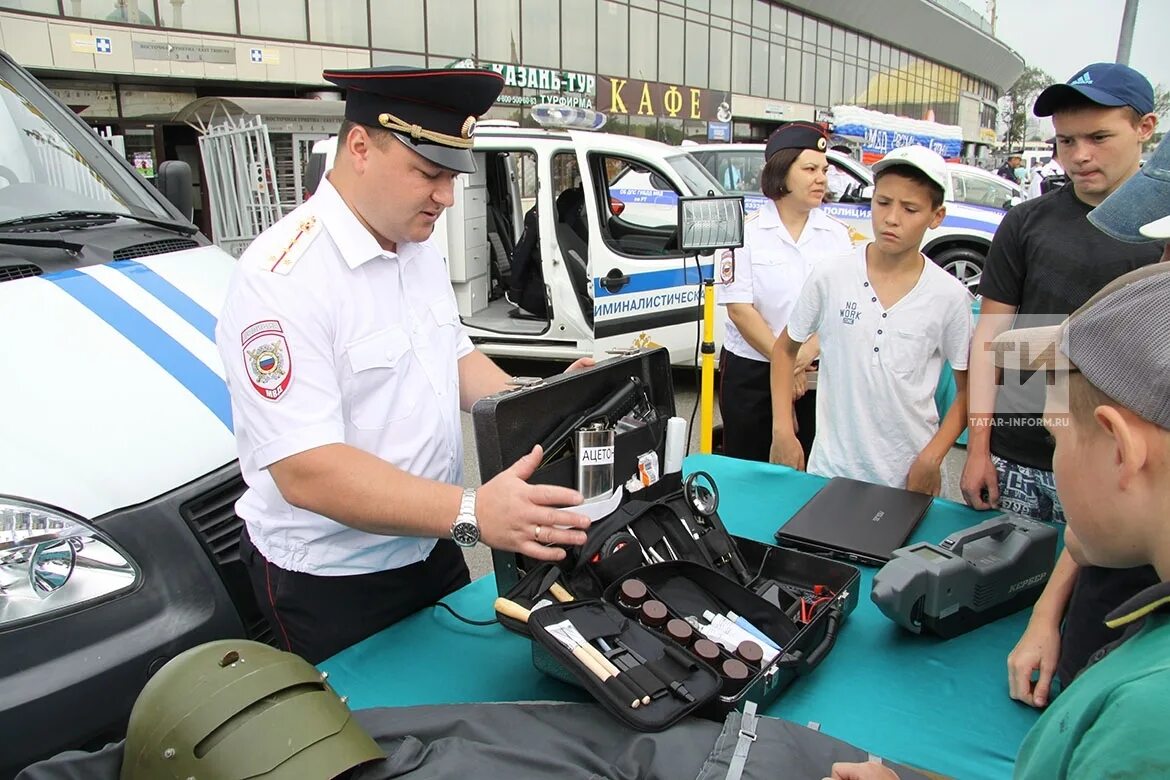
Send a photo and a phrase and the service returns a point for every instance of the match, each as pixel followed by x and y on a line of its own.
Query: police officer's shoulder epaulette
pixel 840 222
pixel 751 216
pixel 291 245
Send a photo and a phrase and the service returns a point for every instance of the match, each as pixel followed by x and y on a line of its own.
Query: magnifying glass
pixel 701 493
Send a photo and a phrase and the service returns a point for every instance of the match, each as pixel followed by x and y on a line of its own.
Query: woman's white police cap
pixel 431 111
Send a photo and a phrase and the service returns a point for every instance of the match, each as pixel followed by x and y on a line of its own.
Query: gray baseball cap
pixel 1119 340
pixel 1142 201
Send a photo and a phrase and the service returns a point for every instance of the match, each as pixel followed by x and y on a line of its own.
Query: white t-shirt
pixel 879 368
pixel 771 268
pixel 327 338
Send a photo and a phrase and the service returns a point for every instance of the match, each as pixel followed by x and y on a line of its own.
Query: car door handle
pixel 615 280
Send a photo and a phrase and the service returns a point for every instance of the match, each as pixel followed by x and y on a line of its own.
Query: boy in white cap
pixel 887 318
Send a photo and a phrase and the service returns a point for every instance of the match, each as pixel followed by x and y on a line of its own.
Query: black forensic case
pixel 714 569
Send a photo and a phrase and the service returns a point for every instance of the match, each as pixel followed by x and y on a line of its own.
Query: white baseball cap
pixel 1159 228
pixel 926 160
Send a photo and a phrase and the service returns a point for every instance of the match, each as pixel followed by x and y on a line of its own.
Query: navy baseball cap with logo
pixel 1104 83
pixel 431 111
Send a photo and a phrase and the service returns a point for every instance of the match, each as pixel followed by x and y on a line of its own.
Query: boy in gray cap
pixel 1138 212
pixel 1108 411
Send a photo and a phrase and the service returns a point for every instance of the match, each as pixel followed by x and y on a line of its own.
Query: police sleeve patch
pixel 267 358
pixel 727 267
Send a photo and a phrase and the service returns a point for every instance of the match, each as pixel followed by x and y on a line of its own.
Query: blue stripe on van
pixel 656 280
pixel 172 297
pixel 970 224
pixel 171 356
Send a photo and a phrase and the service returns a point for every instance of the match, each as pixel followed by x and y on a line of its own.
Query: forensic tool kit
pixel 662 612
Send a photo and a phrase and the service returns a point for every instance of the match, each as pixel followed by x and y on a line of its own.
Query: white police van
pixel 118 468
pixel 975 201
pixel 592 271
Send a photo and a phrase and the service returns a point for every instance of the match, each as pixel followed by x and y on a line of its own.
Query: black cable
pixel 468 621
pixel 698 368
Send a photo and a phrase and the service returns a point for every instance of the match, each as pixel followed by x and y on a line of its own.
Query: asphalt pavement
pixel 479 558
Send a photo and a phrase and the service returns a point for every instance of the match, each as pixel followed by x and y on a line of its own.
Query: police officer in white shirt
pixel 348 366
pixel 759 285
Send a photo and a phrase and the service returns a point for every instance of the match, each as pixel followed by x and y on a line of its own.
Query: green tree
pixel 1017 103
pixel 1162 102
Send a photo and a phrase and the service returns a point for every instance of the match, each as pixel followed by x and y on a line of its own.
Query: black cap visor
pixel 459 160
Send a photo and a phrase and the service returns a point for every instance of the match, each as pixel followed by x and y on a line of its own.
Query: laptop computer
pixel 855 521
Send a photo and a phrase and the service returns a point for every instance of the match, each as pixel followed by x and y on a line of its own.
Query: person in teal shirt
pixel 1108 412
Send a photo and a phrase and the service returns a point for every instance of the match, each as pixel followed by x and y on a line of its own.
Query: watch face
pixel 465 534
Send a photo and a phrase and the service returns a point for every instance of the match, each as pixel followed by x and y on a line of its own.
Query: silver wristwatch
pixel 465 529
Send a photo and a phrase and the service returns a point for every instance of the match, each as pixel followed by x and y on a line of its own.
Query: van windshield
pixel 697 178
pixel 48 163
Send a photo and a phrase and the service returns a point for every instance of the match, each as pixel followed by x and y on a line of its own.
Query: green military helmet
pixel 234 709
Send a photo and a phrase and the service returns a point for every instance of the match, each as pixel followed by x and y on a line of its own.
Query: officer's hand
pixel 786 451
pixel 980 482
pixel 870 770
pixel 925 476
pixel 519 517
pixel 1038 651
pixel 580 363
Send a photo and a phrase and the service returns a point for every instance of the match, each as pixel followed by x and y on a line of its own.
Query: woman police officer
pixel 782 241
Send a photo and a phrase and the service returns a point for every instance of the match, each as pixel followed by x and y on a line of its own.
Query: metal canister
pixel 595 461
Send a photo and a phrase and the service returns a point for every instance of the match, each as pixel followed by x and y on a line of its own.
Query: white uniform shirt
pixel 1035 177
pixel 771 268
pixel 327 338
pixel 879 368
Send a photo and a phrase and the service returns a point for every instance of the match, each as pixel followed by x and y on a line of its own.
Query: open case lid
pixel 507 425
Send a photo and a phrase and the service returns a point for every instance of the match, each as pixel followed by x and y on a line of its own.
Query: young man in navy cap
pixel 1046 260
pixel 1108 411
pixel 348 366
pixel 887 318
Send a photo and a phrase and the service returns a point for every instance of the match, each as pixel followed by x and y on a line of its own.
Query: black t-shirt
pixel 1047 260
pixel 1097 592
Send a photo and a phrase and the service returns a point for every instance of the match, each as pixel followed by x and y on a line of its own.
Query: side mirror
pixel 314 172
pixel 865 193
pixel 659 183
pixel 173 180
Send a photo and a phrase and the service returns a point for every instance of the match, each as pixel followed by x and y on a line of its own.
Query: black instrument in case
pixel 667 538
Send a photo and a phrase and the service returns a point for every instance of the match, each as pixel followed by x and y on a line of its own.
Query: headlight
pixel 50 561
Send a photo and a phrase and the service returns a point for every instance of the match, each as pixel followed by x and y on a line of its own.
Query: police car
pixel 975 204
pixel 552 258
pixel 118 467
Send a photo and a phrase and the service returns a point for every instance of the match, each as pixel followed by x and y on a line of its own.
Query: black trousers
pixel 316 617
pixel 745 402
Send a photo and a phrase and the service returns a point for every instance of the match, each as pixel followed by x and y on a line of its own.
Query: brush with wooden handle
pixel 596 663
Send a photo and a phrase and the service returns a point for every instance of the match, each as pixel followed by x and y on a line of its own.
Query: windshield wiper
pixel 15 239
pixel 103 217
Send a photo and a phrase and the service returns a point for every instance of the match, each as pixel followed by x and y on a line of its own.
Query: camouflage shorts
pixel 1028 491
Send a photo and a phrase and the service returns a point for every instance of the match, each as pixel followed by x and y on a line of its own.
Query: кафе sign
pixel 651 98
